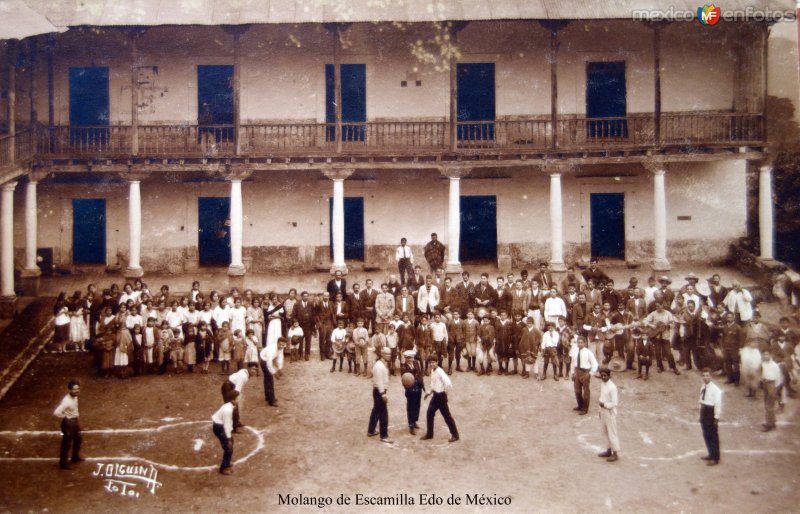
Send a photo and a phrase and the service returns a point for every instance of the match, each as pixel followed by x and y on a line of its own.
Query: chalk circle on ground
pixel 258 434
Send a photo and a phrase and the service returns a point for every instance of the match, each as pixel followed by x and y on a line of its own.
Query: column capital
pixel 9 186
pixel 558 168
pixel 655 166
pixel 37 176
pixel 234 174
pixel 454 172
pixel 338 173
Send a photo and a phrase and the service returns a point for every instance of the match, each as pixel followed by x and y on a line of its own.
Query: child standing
pixel 224 337
pixel 251 353
pixel 338 340
pixel 295 336
pixel 238 348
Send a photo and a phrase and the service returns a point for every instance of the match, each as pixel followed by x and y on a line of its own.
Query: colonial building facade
pixel 294 146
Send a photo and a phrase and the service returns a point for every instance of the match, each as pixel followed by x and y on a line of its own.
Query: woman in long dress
pixel 273 312
pixel 255 321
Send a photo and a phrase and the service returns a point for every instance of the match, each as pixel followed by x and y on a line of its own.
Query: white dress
pixel 275 330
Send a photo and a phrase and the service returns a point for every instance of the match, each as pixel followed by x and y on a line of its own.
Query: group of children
pixel 133 331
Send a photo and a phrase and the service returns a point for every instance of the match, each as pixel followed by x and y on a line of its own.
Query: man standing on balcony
pixel 405 261
pixel 434 253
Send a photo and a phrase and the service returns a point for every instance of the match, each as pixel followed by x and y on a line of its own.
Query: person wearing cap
pixel 609 400
pixel 710 410
pixel 380 399
pixel 440 384
pixel 756 331
pixel 644 351
pixel 413 393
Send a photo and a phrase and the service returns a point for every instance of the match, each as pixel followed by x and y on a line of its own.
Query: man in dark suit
pixel 370 295
pixel 544 276
pixel 341 309
pixel 305 313
pixel 485 294
pixel 416 280
pixel 594 273
pixel 325 322
pixel 337 285
pixel 357 303
pixel 465 291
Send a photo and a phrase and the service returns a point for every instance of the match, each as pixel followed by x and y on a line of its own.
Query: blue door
pixel 353 228
pixel 214 238
pixel 88 106
pixel 606 98
pixel 608 225
pixel 89 231
pixel 475 101
pixel 215 101
pixel 354 101
pixel 478 228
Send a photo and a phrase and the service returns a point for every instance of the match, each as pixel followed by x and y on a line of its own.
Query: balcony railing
pixel 635 131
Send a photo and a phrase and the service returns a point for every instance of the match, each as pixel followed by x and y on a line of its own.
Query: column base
pixel 29 280
pixel 558 266
pixel 767 260
pixel 8 306
pixel 236 270
pixel 658 265
pixel 453 267
pixel 133 273
pixel 339 267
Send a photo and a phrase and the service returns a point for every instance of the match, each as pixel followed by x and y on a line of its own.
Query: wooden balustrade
pixel 573 134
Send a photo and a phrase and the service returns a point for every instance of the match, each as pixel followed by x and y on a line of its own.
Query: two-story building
pixel 290 134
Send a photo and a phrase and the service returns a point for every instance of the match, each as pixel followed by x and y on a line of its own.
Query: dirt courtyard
pixel 521 443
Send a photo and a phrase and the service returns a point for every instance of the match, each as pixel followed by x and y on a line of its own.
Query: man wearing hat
pixel 609 399
pixel 660 322
pixel 667 295
pixel 380 389
pixel 413 393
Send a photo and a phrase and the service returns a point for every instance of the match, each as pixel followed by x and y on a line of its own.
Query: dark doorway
pixel 89 231
pixel 354 101
pixel 608 224
pixel 606 98
pixel 353 228
pixel 214 238
pixel 478 228
pixel 215 101
pixel 88 106
pixel 475 101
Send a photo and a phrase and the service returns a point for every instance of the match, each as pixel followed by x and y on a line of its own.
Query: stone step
pixel 23 340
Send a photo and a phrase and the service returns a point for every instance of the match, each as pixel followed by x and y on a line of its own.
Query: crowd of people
pixel 528 325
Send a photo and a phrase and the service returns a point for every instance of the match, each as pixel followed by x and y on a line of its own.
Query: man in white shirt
pixel 440 384
pixel 584 365
pixel 771 379
pixel 609 399
pixel 235 382
pixel 223 429
pixel 380 400
pixel 740 302
pixel 710 410
pixel 405 261
pixel 550 341
pixel 269 365
pixel 67 410
pixel 440 336
pixel 554 307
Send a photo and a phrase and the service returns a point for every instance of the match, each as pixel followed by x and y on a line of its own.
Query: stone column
pixel 8 298
pixel 134 269
pixel 765 217
pixel 338 177
pixel 30 273
pixel 453 264
pixel 237 223
pixel 556 224
pixel 660 262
